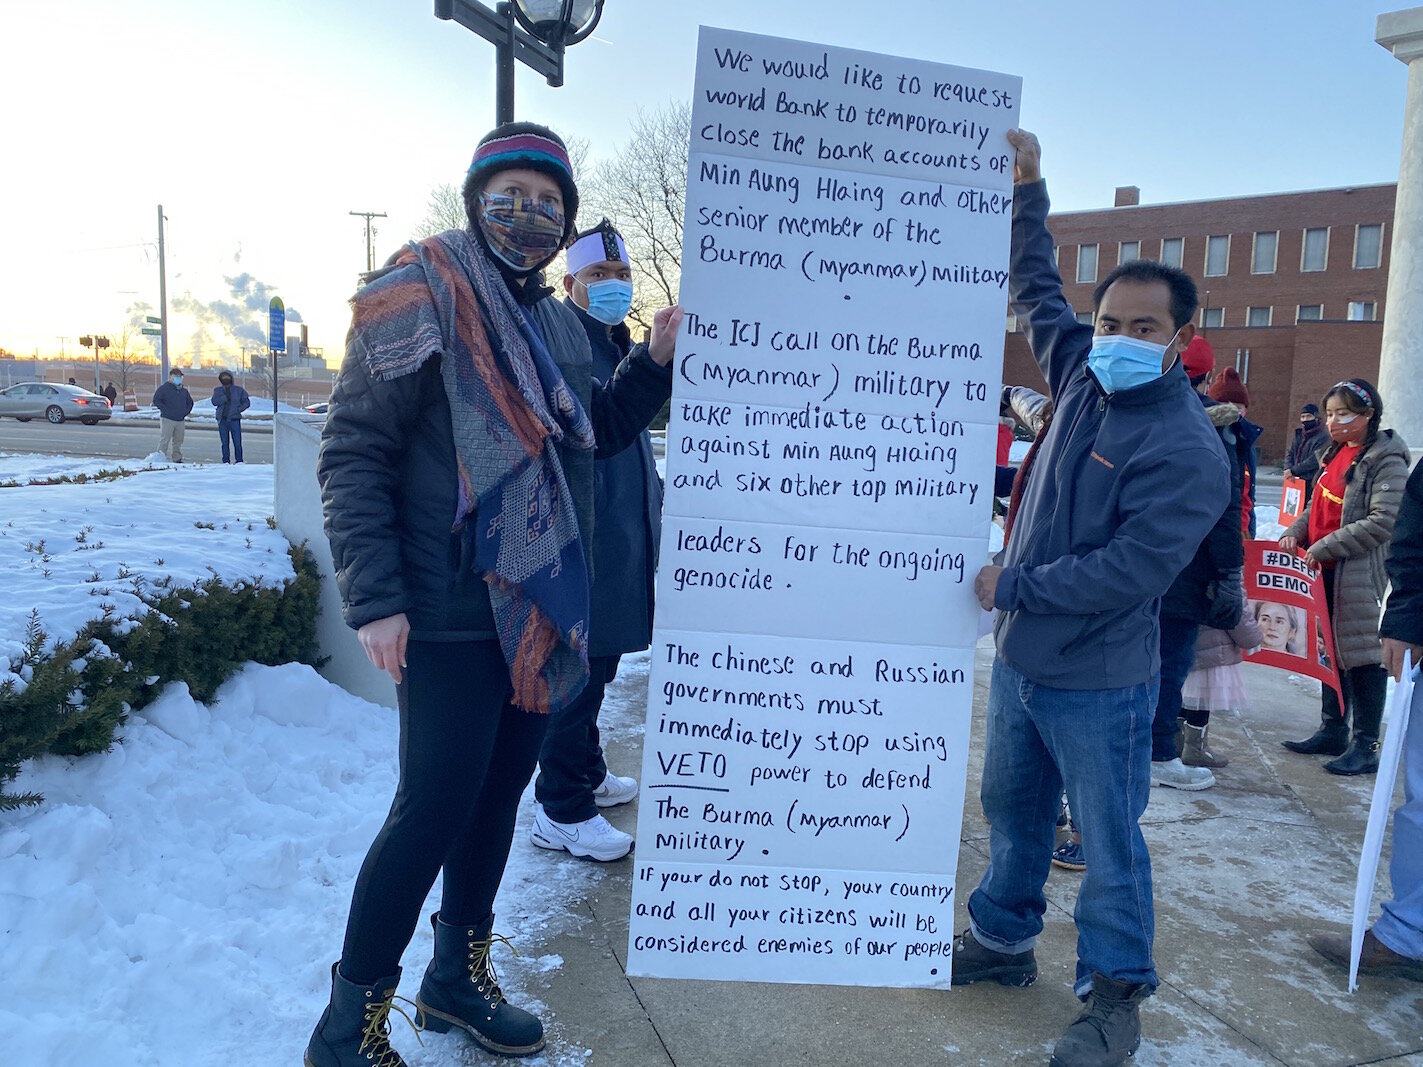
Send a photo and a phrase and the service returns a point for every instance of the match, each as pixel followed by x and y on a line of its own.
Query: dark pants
pixel 571 763
pixel 231 429
pixel 1178 652
pixel 466 755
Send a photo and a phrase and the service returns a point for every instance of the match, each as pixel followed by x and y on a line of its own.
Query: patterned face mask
pixel 523 233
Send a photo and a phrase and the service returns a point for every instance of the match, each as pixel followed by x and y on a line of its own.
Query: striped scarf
pixel 510 411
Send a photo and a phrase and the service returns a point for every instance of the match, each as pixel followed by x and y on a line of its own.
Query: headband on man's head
pixel 1361 395
pixel 602 242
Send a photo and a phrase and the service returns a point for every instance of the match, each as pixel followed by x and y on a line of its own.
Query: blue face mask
pixel 609 300
pixel 1125 362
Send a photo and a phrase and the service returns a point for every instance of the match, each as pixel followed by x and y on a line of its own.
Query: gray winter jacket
pixel 1359 547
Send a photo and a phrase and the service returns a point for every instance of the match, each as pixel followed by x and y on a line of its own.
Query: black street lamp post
pixel 535 32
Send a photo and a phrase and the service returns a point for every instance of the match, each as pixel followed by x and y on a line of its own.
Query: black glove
pixel 1227 597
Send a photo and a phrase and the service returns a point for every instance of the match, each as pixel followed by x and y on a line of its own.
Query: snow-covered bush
pixel 73 696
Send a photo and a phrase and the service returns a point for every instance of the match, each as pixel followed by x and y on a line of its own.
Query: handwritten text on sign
pixel 828 502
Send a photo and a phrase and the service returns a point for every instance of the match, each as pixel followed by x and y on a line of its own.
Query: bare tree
pixel 642 189
pixel 445 211
pixel 126 352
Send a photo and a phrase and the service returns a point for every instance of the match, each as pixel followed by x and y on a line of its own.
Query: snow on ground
pixel 180 899
pixel 70 550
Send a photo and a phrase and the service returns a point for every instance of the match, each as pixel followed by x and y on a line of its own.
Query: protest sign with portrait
pixel 1285 594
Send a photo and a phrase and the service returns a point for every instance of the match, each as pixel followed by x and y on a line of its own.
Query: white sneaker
pixel 595 838
pixel 615 791
pixel 1176 775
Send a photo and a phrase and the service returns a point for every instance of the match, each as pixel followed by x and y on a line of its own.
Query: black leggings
pixel 455 805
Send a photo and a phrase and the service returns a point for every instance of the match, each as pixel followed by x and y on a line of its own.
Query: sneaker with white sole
pixel 1174 774
pixel 594 839
pixel 615 790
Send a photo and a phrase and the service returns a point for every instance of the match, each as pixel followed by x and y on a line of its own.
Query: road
pixel 123 439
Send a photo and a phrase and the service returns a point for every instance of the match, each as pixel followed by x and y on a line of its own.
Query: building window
pixel 1262 260
pixel 1257 316
pixel 1361 311
pixel 1171 250
pixel 1316 249
pixel 1087 263
pixel 1368 246
pixel 1129 251
pixel 1212 318
pixel 1084 318
pixel 1309 313
pixel 1217 256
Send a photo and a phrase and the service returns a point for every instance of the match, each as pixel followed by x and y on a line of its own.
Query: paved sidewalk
pixel 1242 872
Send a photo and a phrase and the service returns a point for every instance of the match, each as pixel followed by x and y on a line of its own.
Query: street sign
pixel 151 332
pixel 155 319
pixel 277 325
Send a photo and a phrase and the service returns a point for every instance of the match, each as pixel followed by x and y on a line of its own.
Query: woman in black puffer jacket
pixel 456 473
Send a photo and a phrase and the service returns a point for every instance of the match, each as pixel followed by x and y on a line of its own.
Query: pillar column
pixel 1401 358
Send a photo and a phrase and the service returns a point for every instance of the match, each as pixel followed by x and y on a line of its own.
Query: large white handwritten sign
pixel 829 469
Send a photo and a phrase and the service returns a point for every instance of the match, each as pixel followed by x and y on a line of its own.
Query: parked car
pixel 45 400
pixel 317 409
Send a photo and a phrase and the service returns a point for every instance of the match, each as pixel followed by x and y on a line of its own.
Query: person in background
pixel 1209 591
pixel 1229 389
pixel 1345 529
pixel 173 402
pixel 1216 682
pixel 1393 947
pixel 574 780
pixel 1310 439
pixel 229 402
pixel 111 394
pixel 465 393
pixel 1111 509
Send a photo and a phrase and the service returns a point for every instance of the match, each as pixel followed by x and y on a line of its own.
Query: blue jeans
pixel 1097 742
pixel 1178 652
pixel 1400 927
pixel 230 428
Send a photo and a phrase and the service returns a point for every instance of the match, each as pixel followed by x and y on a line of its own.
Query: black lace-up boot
pixel 1108 1031
pixel 354 1030
pixel 461 990
pixel 975 962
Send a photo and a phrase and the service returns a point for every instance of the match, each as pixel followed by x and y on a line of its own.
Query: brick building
pixel 1292 285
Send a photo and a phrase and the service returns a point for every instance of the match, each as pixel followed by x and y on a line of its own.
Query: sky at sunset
pixel 259 125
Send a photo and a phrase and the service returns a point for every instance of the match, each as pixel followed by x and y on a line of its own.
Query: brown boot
pixel 1195 753
pixel 1375 958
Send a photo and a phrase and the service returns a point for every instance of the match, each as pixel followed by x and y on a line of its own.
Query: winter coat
pixel 627 515
pixel 1303 457
pixel 110 394
pixel 390 483
pixel 1222 552
pixel 1221 648
pixel 1403 618
pixel 1112 508
pixel 173 401
pixel 1358 548
pixel 230 401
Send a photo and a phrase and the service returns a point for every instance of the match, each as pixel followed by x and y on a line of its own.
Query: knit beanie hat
pixel 1198 358
pixel 1229 389
pixel 1310 409
pixel 523 144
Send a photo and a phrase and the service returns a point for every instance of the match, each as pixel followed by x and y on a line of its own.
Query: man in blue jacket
pixel 173 403
pixel 1127 480
pixel 574 781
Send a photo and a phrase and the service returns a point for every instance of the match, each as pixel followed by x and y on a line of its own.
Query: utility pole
pixel 368 215
pixel 162 300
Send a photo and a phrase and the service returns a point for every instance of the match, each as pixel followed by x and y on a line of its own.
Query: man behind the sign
pixel 1126 482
